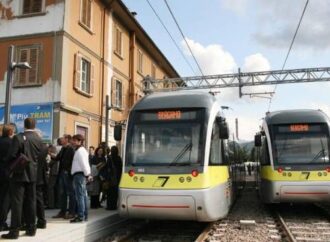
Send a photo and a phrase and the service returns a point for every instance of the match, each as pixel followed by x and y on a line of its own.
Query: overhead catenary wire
pixel 184 38
pixel 168 32
pixel 287 55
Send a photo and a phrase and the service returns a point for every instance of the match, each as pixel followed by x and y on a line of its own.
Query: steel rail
pixel 204 235
pixel 286 228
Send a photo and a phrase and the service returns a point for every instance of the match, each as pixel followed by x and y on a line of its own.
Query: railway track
pixel 304 222
pixel 157 231
pixel 248 221
pixel 167 231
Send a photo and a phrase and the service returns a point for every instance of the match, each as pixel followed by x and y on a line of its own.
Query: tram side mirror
pixel 117 132
pixel 224 131
pixel 257 140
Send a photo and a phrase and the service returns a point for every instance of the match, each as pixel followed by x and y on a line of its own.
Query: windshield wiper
pixel 181 154
pixel 318 155
pixel 322 149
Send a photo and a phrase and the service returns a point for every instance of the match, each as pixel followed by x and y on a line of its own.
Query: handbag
pixel 18 165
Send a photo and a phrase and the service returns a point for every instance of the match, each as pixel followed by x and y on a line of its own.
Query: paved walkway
pixel 100 223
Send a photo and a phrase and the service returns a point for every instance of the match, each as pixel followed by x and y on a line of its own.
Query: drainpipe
pixel 131 69
pixel 102 74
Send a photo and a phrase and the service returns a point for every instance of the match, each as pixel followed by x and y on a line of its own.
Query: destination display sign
pixel 296 128
pixel 299 127
pixel 168 115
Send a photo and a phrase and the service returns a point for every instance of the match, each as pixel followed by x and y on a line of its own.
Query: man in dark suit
pixel 65 157
pixel 5 143
pixel 23 184
pixel 41 185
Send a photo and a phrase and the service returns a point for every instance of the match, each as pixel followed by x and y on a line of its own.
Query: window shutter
pixel 37 6
pixel 76 83
pixel 32 6
pixel 33 72
pixel 119 41
pixel 113 92
pixel 92 80
pixel 27 6
pixel 83 11
pixel 120 97
pixel 23 73
pixel 88 13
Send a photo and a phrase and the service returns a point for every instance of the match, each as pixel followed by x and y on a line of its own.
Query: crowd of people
pixel 35 176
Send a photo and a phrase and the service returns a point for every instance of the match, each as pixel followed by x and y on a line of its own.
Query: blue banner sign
pixel 42 113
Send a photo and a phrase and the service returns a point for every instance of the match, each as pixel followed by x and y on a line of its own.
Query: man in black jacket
pixel 65 157
pixel 5 143
pixel 23 184
pixel 41 185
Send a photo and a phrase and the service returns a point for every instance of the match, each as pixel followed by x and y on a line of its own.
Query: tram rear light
pixel 131 173
pixel 194 173
pixel 280 170
pixel 328 169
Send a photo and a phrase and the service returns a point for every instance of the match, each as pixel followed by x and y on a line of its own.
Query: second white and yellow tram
pixel 293 155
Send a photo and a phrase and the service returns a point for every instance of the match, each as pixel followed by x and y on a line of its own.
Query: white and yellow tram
pixel 176 162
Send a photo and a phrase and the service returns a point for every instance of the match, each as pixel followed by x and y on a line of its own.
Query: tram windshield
pixel 301 144
pixel 165 138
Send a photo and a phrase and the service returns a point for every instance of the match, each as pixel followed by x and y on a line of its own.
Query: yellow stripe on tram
pixel 214 176
pixel 267 173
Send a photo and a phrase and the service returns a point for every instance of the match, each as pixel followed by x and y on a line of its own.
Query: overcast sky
pixel 253 35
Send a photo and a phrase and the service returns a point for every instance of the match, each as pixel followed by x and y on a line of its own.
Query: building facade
pixel 80 51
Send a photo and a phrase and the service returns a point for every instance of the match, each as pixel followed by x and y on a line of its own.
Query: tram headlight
pixel 131 173
pixel 141 179
pixel 188 179
pixel 181 179
pixel 194 173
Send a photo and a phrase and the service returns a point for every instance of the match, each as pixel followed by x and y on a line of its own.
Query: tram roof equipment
pixel 183 99
pixel 240 80
pixel 296 116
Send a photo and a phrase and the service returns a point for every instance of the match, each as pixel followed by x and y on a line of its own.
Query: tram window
pixel 301 144
pixel 264 157
pixel 225 152
pixel 154 144
pixel 215 149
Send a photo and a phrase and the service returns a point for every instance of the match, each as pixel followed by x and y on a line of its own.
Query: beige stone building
pixel 80 51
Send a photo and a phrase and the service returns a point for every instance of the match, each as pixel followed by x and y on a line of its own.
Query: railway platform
pixel 100 223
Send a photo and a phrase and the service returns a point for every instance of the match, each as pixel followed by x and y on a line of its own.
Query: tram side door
pixel 219 158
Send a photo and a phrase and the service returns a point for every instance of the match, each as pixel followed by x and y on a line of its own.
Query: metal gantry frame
pixel 239 79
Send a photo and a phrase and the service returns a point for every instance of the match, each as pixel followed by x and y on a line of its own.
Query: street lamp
pixel 11 67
